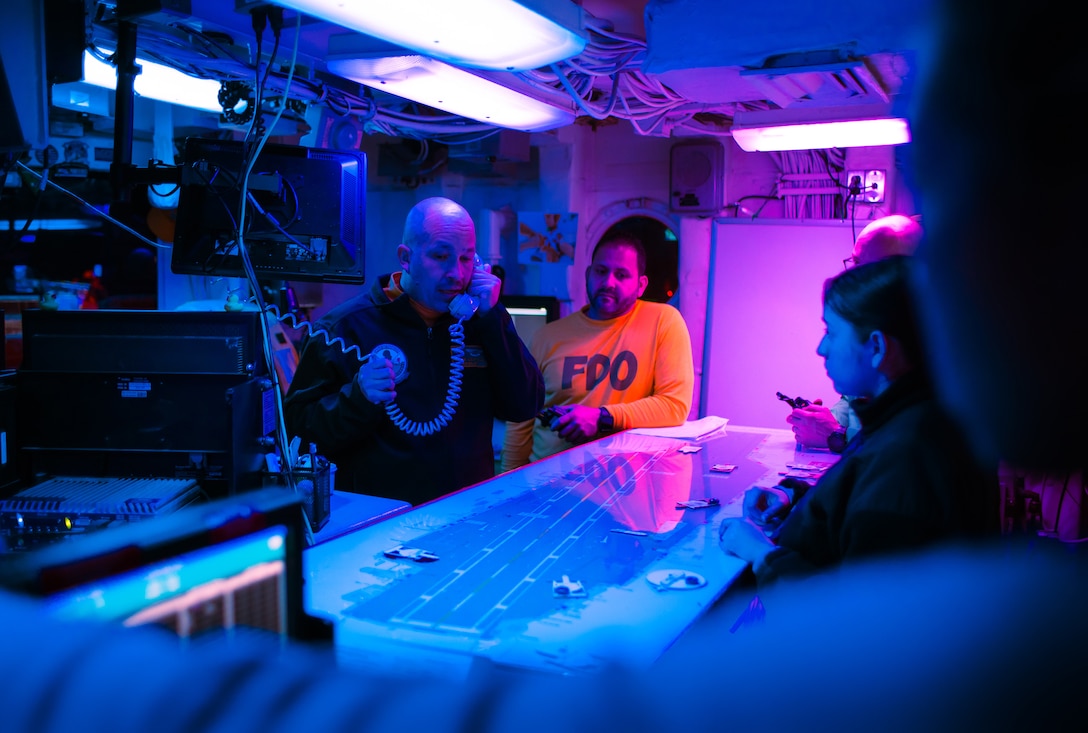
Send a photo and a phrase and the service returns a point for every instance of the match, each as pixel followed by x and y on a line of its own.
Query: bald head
pixel 890 235
pixel 437 253
pixel 436 215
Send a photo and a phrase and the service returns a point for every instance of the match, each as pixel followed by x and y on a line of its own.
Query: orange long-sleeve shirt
pixel 639 365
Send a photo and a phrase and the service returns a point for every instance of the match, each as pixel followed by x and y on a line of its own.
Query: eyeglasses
pixel 849 262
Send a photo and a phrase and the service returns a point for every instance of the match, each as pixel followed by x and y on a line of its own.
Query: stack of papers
pixel 690 430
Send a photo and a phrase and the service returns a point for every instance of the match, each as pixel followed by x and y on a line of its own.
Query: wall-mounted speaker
pixel 697 177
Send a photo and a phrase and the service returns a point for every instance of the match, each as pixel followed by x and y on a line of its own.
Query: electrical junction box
pixel 871 184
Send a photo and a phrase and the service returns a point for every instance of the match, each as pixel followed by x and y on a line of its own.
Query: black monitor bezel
pixel 200 229
pixel 59 567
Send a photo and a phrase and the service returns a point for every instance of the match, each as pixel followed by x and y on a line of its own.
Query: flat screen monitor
pixel 530 312
pixel 227 567
pixel 12 141
pixel 304 217
pixel 24 89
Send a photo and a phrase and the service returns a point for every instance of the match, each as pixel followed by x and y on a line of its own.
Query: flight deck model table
pixel 605 552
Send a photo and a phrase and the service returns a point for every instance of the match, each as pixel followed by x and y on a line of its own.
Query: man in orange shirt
pixel 617 363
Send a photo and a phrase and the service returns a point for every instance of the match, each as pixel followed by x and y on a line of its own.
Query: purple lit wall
pixel 764 316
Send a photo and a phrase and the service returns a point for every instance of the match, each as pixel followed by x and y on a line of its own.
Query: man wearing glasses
pixel 832 427
pixel 894 234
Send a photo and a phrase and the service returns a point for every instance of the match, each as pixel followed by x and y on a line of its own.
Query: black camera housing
pixel 794 402
pixel 546 416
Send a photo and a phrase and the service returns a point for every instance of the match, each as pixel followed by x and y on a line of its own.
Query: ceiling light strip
pixel 156 81
pixel 500 35
pixel 454 90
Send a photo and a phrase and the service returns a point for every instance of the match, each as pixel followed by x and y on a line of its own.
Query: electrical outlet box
pixel 871 185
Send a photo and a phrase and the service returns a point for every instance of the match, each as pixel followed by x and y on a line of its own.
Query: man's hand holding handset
pixel 485 287
pixel 481 295
pixel 377 379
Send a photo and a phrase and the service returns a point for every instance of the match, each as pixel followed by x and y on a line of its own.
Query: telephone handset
pixel 464 306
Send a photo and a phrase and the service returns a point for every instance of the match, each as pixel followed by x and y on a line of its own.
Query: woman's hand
pixel 766 508
pixel 741 537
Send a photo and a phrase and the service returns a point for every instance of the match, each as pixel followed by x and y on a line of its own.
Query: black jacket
pixel 907 479
pixel 326 406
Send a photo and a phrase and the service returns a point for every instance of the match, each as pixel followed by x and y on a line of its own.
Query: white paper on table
pixel 690 430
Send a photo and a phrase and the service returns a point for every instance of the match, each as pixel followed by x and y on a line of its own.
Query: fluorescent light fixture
pixel 818 129
pixel 156 81
pixel 457 91
pixel 501 35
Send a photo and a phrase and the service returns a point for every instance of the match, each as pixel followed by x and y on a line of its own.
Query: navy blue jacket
pixel 326 406
pixel 906 480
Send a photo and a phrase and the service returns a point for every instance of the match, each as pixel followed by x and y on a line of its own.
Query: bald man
pixel 815 425
pixel 402 388
pixel 895 234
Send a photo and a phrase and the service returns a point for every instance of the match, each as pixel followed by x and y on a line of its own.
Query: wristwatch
pixel 836 442
pixel 605 421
